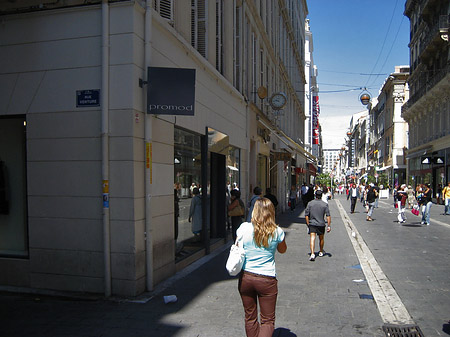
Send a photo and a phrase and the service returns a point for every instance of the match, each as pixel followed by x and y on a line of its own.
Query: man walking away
pixel 257 191
pixel 353 194
pixel 271 197
pixel 314 216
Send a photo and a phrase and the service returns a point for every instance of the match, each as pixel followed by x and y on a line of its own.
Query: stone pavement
pixel 327 297
pixel 415 258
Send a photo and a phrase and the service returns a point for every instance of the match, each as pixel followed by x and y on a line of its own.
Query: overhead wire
pixel 384 42
pixel 392 45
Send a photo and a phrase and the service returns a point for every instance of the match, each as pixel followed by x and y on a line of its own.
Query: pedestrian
pixel 353 194
pixel 257 191
pixel 411 197
pixel 438 194
pixel 371 195
pixel 377 188
pixel 257 282
pixel 195 213
pixel 304 191
pixel 402 196
pixel 272 198
pixel 310 193
pixel 326 195
pixel 292 197
pixel 236 215
pixel 446 197
pixel 314 216
pixel 425 203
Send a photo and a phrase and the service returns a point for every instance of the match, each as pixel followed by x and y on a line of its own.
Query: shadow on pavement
pixel 282 332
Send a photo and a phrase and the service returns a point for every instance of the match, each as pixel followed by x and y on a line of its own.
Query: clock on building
pixel 278 100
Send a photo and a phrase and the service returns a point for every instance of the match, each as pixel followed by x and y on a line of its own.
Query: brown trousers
pixel 254 288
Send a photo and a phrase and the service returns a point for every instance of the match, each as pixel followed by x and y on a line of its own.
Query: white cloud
pixel 334 129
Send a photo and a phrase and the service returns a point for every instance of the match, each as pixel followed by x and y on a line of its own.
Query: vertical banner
pixel 171 91
pixel 315 121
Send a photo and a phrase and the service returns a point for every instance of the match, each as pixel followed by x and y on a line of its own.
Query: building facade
pixel 389 131
pixel 98 192
pixel 330 157
pixel 428 108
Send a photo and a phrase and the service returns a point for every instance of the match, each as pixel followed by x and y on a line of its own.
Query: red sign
pixel 315 121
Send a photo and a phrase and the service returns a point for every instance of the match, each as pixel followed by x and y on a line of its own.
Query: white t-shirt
pixel 259 260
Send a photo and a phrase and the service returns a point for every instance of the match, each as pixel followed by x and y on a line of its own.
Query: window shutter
pixel 202 25
pixel 165 9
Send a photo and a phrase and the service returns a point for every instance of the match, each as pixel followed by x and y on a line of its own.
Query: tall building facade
pixel 330 158
pixel 428 108
pixel 98 188
pixel 388 130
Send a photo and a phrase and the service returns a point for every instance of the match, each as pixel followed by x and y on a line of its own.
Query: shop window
pixel 233 171
pixel 187 181
pixel 13 188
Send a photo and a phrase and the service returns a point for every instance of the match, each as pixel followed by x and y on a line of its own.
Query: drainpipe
pixel 148 150
pixel 105 146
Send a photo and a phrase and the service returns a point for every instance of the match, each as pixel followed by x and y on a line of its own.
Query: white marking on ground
pixel 390 306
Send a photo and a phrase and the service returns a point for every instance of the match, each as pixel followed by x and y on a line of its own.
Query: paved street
pixel 328 297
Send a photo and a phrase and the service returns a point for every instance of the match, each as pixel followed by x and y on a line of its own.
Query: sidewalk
pixel 327 297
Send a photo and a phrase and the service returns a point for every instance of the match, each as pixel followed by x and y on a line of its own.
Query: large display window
pixel 187 193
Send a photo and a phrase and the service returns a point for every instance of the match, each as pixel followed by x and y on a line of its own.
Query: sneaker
pixel 422 223
pixel 321 254
pixel 312 257
pixel 428 223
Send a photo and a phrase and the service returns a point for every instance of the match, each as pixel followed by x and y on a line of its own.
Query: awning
pixel 232 168
pixel 383 168
pixel 419 153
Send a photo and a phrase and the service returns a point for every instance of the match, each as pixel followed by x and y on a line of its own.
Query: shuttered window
pixel 219 35
pixel 165 9
pixel 237 48
pixel 199 24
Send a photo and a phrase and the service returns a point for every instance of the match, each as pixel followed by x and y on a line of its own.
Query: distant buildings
pixel 377 138
pixel 330 157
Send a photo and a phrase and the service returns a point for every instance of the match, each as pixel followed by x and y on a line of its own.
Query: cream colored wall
pixel 218 105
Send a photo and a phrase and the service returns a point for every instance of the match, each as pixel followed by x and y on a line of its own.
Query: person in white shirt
pixel 353 194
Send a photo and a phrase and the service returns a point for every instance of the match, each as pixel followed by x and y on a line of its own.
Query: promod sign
pixel 170 91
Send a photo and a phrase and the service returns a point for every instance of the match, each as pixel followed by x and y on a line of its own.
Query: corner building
pixel 95 194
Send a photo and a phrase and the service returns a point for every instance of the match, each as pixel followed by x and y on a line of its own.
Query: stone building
pixel 428 108
pixel 98 175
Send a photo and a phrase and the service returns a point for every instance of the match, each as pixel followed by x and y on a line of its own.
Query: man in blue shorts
pixel 314 214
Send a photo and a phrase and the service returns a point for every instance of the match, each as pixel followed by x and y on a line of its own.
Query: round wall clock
pixel 278 100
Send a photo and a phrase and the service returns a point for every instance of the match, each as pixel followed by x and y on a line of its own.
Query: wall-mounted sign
pixel 170 91
pixel 315 121
pixel 281 156
pixel 87 98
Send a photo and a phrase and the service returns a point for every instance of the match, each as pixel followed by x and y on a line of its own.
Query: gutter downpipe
pixel 148 150
pixel 105 147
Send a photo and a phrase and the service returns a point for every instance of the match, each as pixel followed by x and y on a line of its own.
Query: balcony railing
pixel 428 86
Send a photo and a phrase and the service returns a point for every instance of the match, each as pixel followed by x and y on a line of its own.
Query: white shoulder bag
pixel 236 258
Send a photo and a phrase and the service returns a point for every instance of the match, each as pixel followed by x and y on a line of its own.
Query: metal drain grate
pixel 392 330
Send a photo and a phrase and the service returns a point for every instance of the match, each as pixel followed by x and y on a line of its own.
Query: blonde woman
pixel 257 282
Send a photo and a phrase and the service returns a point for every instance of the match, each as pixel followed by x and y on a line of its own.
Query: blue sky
pixel 354 41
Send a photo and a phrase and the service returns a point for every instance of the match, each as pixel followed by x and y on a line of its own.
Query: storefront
pixel 429 167
pixel 200 189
